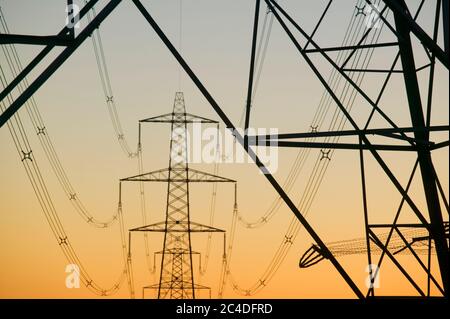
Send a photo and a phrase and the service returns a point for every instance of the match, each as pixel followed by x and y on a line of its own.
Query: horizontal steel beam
pixel 405 225
pixel 352 47
pixel 372 71
pixel 383 70
pixel 54 40
pixel 377 131
pixel 345 146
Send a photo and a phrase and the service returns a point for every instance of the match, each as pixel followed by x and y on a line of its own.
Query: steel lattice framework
pixel 405 27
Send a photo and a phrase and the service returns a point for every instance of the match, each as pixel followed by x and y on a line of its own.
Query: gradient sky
pixel 216 40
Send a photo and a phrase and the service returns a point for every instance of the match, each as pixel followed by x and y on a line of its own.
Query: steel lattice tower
pixel 409 36
pixel 176 279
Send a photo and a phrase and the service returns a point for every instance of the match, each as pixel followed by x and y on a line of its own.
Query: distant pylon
pixel 176 274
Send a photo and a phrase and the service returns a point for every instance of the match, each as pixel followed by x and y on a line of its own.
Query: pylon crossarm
pixel 181 227
pixel 200 176
pixel 168 285
pixel 184 251
pixel 189 118
pixel 193 176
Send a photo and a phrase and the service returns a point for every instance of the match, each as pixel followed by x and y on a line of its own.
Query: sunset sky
pixel 216 43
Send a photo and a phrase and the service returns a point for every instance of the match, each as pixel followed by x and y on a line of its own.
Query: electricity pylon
pixel 407 30
pixel 176 279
